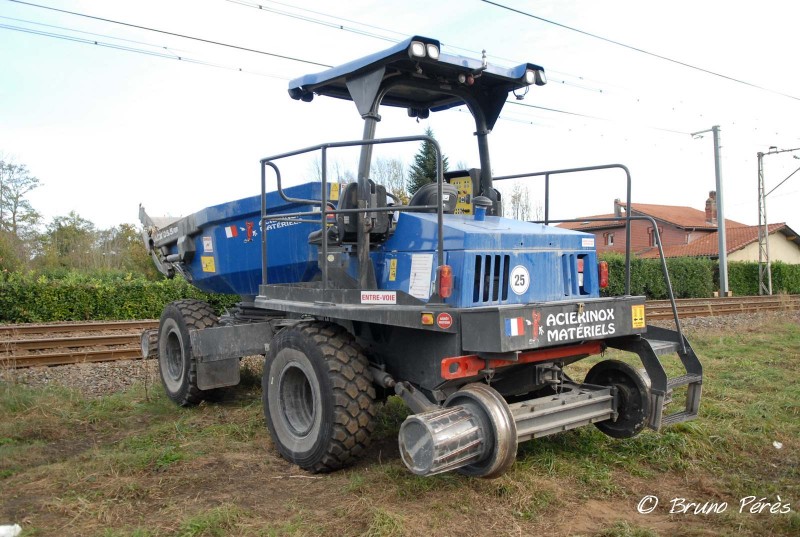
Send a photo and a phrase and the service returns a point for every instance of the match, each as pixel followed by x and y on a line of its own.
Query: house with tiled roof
pixel 686 232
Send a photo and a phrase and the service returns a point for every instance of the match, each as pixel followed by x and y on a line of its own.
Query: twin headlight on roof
pixel 419 49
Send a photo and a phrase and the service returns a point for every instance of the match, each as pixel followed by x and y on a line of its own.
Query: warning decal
pixel 208 263
pixel 637 316
pixel 379 297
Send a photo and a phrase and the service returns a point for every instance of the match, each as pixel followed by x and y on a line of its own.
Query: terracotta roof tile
pixel 683 217
pixel 736 238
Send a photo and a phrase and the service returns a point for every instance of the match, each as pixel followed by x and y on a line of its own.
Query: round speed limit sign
pixel 520 280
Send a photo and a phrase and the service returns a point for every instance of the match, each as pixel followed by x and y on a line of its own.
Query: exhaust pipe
pixel 473 433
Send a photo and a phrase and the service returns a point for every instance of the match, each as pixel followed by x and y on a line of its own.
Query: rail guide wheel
pixel 633 397
pixel 319 401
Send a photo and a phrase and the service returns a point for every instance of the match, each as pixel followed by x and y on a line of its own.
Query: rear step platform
pixel 650 346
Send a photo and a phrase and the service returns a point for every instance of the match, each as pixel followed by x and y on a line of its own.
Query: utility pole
pixel 722 243
pixel 764 287
pixel 764 266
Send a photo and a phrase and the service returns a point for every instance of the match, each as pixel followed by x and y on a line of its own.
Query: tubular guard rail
pixel 627 218
pixel 325 211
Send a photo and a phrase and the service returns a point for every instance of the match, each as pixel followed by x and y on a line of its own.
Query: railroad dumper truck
pixel 353 296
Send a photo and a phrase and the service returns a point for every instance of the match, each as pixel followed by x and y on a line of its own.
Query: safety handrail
pixel 664 270
pixel 323 203
pixel 627 218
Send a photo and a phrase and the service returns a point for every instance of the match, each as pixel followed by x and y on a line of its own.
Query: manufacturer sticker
pixel 166 233
pixel 637 316
pixel 568 326
pixel 207 263
pixel 208 245
pixel 279 225
pixel 537 329
pixel 587 243
pixel 444 321
pixel 379 297
pixel 520 280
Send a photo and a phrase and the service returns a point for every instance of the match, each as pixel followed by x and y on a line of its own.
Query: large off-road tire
pixel 633 397
pixel 319 401
pixel 176 363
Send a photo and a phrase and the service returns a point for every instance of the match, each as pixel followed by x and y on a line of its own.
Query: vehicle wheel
pixel 633 397
pixel 319 401
pixel 176 363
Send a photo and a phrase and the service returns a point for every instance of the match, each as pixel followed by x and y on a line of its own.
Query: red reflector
pixel 580 265
pixel 602 268
pixel 471 365
pixel 445 277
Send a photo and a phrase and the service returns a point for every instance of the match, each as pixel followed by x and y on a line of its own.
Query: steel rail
pixel 71 357
pixel 94 326
pixel 128 346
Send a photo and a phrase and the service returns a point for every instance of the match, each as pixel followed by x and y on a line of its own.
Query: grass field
pixel 132 464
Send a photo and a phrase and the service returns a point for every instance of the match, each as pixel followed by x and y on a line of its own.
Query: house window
pixel 609 239
pixel 652 236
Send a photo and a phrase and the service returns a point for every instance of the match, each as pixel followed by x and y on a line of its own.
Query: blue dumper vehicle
pixel 353 296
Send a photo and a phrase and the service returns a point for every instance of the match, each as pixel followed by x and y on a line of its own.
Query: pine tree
pixel 423 171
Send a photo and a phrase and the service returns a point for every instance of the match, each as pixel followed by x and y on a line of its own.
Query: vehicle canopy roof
pixel 414 74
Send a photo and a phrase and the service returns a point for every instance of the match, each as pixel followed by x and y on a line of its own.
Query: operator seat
pixel 348 222
pixel 429 194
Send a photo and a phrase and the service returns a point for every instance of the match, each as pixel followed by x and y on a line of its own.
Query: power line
pixel 133 49
pixel 202 62
pixel 636 49
pixel 326 23
pixel 589 116
pixel 779 184
pixel 171 49
pixel 350 29
pixel 262 7
pixel 200 39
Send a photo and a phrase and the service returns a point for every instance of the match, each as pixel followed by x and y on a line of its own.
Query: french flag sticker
pixel 230 231
pixel 515 326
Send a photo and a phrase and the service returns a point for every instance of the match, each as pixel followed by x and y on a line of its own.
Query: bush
pixel 74 296
pixel 785 278
pixel 690 277
pixel 742 278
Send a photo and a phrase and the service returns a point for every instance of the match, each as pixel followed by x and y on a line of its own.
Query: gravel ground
pixel 103 378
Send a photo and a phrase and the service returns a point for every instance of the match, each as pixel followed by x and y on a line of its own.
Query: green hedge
pixel 695 277
pixel 690 277
pixel 71 296
pixel 38 298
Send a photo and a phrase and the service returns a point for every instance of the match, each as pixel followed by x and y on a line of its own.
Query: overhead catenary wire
pixel 186 59
pixel 174 34
pixel 64 28
pixel 212 64
pixel 401 35
pixel 157 54
pixel 640 50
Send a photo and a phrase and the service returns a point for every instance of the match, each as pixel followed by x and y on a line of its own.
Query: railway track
pixel 711 307
pixel 28 345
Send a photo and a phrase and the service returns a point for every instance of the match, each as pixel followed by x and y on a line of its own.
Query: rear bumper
pixel 504 329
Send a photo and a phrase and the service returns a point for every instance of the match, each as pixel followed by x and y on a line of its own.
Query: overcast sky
pixel 105 129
